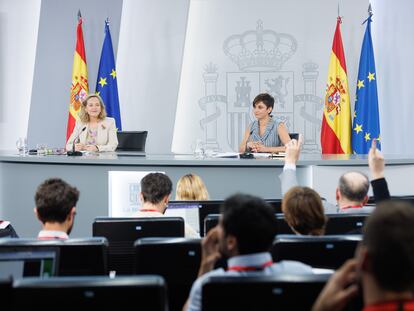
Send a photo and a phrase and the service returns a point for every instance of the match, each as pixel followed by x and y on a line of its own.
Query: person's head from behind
pixel 352 189
pixel 263 105
pixel 92 106
pixel 386 254
pixel 56 204
pixel 304 212
pixel 155 190
pixel 191 187
pixel 247 225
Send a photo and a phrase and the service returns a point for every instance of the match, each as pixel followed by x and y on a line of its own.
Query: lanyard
pixel 149 210
pixel 251 268
pixel 51 238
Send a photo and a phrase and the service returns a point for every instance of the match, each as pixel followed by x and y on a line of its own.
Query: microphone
pixel 74 153
pixel 246 154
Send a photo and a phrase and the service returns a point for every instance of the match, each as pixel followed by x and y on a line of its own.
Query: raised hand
pixel 293 150
pixel 210 251
pixel 376 161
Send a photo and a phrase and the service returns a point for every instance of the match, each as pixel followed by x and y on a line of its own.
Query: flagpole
pixel 369 13
pixel 339 13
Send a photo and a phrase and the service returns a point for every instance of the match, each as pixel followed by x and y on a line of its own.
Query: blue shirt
pixel 270 138
pixel 252 260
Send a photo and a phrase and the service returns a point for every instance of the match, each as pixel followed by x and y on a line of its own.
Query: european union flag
pixel 366 125
pixel 106 85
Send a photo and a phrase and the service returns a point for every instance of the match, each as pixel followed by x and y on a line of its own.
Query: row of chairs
pixel 283 292
pixel 123 232
pixel 204 208
pixel 177 259
pixel 115 237
pixel 337 223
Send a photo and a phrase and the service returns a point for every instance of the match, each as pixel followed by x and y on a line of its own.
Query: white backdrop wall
pixel 19 24
pixel 236 49
pixel 392 31
pixel 150 51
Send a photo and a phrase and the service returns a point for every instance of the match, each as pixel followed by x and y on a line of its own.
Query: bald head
pixel 354 186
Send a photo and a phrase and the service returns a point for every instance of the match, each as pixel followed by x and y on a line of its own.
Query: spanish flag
pixel 336 121
pixel 79 88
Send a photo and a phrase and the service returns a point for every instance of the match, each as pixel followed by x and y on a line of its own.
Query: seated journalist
pixel 383 268
pixel 304 211
pixel 191 187
pixel 94 131
pixel 244 235
pixel 56 208
pixel 155 194
pixel 352 190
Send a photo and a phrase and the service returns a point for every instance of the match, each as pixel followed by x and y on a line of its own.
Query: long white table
pixel 20 176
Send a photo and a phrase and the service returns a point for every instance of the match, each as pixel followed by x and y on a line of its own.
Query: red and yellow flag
pixel 336 121
pixel 79 88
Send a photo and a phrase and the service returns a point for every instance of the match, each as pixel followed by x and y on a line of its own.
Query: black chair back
pixel 294 136
pixel 208 208
pixel 123 232
pixel 176 260
pixel 6 293
pixel 282 225
pixel 210 222
pixel 328 252
pixel 132 140
pixel 409 198
pixel 282 292
pixel 337 224
pixel 345 223
pixel 77 257
pixel 145 292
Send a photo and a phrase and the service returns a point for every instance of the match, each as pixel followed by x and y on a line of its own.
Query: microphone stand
pixel 74 153
pixel 247 154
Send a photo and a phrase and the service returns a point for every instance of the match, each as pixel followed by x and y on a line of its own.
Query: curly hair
pixel 54 200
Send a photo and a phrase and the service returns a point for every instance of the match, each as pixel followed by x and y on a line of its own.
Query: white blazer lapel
pixel 102 130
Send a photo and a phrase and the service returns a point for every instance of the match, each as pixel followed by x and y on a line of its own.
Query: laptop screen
pixel 188 210
pixel 22 261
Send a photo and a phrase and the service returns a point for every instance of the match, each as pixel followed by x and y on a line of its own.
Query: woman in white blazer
pixel 94 131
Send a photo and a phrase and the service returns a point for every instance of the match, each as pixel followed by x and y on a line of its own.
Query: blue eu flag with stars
pixel 106 85
pixel 366 125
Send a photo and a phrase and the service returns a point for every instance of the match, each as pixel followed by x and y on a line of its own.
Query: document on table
pixel 269 155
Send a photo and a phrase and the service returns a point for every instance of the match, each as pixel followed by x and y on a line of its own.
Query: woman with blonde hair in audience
pixel 191 187
pixel 304 212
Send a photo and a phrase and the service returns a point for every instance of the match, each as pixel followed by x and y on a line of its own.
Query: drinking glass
pixel 21 145
pixel 199 149
pixel 41 149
